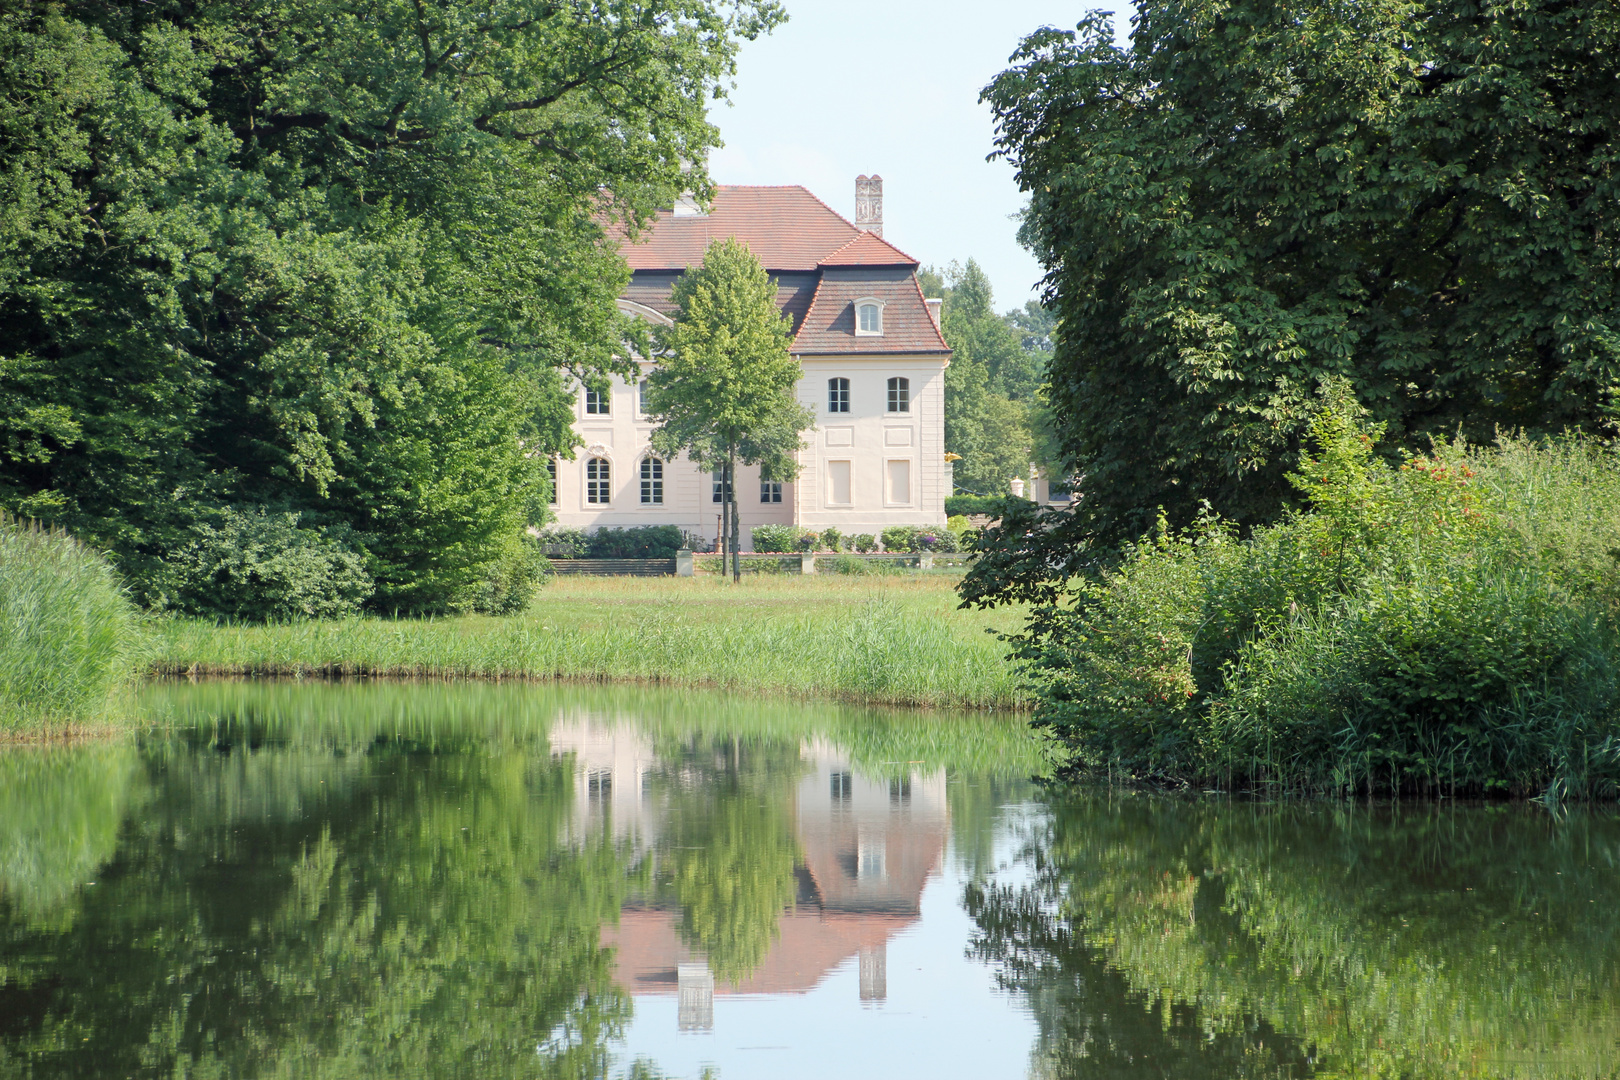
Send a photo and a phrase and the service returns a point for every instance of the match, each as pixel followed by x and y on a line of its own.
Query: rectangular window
pixel 641 397
pixel 838 483
pixel 899 477
pixel 598 481
pixel 652 482
pixel 899 395
pixel 843 787
pixel 838 395
pixel 596 404
pixel 770 491
pixel 722 486
pixel 551 472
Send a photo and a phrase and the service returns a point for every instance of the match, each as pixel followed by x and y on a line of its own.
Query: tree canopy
pixel 991 402
pixel 723 390
pixel 1253 197
pixel 327 257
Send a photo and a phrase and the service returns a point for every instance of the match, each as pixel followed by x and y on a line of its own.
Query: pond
pixel 449 880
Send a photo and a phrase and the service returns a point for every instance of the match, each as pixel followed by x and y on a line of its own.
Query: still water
pixel 532 881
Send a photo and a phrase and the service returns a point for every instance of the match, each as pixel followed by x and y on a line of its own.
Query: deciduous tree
pixel 723 391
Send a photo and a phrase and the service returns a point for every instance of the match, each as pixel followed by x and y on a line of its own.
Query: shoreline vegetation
pixel 883 641
pixel 70 638
pixel 1446 626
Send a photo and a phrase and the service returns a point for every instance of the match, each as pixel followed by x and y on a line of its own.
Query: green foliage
pixel 635 542
pixel 510 583
pixel 989 505
pixel 864 543
pixel 776 538
pixel 1252 940
pixel 990 385
pixel 328 262
pixel 69 636
pixel 255 565
pixel 1412 630
pixel 561 543
pixel 832 539
pixel 1253 197
pixel 900 538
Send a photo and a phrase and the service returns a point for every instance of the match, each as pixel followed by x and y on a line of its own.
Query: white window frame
pixel 651 473
pixel 770 491
pixel 898 384
pixel 551 472
pixel 837 395
pixel 873 302
pixel 600 484
pixel 603 402
pixel 717 477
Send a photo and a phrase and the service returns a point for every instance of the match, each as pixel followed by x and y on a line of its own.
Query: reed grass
pixel 69 636
pixel 890 641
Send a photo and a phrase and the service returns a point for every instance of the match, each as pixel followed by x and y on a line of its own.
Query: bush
pixel 512 582
pixel 1445 625
pixel 68 632
pixel 775 538
pixel 931 540
pixel 832 540
pixel 636 542
pixel 252 564
pixel 865 543
pixel 899 538
pixel 560 543
pixel 962 505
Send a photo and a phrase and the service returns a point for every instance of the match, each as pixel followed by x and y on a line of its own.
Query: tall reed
pixel 69 635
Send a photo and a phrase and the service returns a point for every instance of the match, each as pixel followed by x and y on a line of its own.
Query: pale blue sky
pixel 891 87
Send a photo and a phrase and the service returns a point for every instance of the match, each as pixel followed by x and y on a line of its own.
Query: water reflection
pixel 433 880
pixel 1207 940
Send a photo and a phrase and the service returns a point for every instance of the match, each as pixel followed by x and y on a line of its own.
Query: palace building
pixel 873 362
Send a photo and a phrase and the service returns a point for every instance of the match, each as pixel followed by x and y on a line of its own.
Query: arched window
pixel 598 481
pixel 899 395
pixel 868 317
pixel 838 395
pixel 652 481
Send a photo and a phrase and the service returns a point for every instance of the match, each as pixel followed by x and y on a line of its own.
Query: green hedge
pixel 962 505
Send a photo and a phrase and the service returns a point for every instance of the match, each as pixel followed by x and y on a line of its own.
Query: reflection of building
pixel 869 845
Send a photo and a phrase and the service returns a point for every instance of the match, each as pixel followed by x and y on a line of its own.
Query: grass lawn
pixel 880 639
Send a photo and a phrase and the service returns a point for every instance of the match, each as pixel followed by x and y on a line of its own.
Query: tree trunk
pixel 736 524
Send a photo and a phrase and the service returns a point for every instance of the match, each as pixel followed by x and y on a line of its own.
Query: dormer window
pixel 868 317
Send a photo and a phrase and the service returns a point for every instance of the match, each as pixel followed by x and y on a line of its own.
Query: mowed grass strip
pixel 887 640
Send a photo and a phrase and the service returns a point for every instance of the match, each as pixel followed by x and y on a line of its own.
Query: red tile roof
pixel 786 227
pixel 869 249
pixel 829 325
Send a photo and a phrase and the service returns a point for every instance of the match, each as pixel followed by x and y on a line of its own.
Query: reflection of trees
pixel 728 852
pixel 374 914
pixel 1434 943
pixel 60 811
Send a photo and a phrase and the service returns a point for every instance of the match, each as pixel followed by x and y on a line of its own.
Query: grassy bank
pixel 886 640
pixel 68 634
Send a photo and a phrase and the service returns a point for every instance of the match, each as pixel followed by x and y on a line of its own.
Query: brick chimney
pixel 869 204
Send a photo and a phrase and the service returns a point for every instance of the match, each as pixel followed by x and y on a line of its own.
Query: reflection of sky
pixel 944 1016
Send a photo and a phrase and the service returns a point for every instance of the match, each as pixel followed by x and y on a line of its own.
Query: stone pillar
pixel 683 563
pixel 807 562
